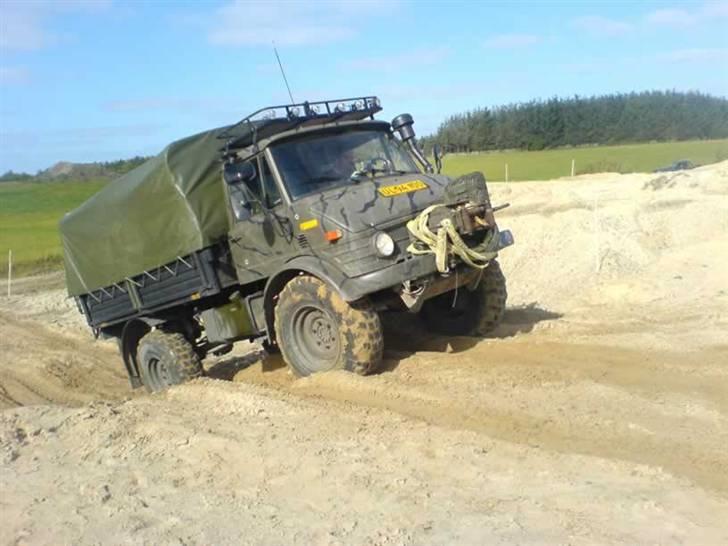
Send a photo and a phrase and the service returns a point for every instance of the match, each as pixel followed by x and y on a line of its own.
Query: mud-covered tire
pixel 317 331
pixel 476 313
pixel 166 359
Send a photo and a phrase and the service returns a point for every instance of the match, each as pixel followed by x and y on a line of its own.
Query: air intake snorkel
pixel 403 125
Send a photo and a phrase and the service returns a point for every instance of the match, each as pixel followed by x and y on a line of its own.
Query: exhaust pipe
pixel 403 125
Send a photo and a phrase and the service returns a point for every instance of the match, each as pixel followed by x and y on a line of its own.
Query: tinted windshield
pixel 321 161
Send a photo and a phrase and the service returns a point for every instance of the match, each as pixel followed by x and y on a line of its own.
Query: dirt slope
pixel 597 414
pixel 46 354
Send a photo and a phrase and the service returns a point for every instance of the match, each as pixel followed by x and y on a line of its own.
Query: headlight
pixel 383 244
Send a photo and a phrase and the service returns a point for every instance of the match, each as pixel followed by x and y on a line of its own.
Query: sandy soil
pixel 598 413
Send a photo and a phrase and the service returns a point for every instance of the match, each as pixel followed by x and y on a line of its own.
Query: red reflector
pixel 333 235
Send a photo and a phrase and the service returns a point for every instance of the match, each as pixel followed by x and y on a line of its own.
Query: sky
pixel 99 80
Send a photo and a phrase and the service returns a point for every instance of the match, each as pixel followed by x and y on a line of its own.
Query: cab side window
pixel 243 181
pixel 271 195
pixel 253 191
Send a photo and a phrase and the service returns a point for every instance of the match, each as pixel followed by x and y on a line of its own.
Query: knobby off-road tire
pixel 166 359
pixel 475 313
pixel 318 331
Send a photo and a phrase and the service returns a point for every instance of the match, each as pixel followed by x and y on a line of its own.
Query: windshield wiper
pixel 356 175
pixel 321 179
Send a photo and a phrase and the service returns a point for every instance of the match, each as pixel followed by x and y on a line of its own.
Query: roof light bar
pixel 274 119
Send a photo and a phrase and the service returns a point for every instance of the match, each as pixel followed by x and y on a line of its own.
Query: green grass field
pixel 30 211
pixel 29 215
pixel 557 163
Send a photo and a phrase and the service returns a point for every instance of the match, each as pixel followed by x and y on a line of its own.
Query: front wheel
pixel 318 331
pixel 469 312
pixel 166 359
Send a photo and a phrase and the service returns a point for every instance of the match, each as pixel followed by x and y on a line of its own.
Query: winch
pixel 462 227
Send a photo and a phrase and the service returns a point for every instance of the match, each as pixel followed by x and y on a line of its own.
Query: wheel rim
pixel 158 373
pixel 316 338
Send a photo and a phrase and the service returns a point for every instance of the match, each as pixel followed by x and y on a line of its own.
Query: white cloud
pixel 512 41
pixel 601 26
pixel 680 18
pixel 715 9
pixel 696 55
pixel 14 75
pixel 710 10
pixel 21 27
pixel 399 62
pixel 246 22
pixel 24 24
pixel 672 17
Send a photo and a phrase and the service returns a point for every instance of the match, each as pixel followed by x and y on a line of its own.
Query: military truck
pixel 298 227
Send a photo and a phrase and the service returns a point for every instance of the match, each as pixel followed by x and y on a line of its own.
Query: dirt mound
pixel 598 412
pixel 624 252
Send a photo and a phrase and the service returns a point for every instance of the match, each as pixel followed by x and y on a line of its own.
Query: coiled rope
pixel 446 242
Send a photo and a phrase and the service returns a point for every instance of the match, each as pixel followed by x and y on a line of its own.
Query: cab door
pixel 261 238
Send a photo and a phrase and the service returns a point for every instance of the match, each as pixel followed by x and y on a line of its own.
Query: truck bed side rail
pixel 187 278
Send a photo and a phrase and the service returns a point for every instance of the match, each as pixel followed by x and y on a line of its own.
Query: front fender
pixel 317 267
pixel 310 265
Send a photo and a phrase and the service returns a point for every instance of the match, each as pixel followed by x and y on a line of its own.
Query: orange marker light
pixel 333 235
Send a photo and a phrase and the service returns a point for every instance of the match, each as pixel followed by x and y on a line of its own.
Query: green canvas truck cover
pixel 170 206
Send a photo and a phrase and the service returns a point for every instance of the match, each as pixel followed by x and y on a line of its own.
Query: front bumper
pixel 407 269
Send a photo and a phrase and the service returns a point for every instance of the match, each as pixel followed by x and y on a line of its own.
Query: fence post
pixel 573 164
pixel 10 270
pixel 597 237
pixel 506 172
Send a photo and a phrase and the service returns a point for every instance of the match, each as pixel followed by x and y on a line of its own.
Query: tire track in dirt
pixel 43 366
pixel 664 409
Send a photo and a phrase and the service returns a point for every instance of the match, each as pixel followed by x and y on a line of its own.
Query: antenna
pixel 283 73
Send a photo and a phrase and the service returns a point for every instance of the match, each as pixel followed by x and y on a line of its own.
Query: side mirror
pixel 234 173
pixel 437 154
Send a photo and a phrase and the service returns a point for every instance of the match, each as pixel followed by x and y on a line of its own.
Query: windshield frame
pixel 383 132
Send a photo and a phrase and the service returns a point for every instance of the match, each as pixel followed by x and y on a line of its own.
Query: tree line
pixel 78 171
pixel 608 119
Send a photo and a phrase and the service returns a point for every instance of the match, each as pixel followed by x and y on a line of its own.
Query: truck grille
pixel 358 257
pixel 302 241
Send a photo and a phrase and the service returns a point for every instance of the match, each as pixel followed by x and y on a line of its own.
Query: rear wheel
pixel 469 312
pixel 318 331
pixel 166 359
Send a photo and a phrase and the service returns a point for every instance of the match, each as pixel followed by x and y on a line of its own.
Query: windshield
pixel 321 161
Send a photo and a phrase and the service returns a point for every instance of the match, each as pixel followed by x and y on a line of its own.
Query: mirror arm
pixel 284 223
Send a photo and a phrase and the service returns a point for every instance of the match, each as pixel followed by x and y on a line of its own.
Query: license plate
pixel 405 187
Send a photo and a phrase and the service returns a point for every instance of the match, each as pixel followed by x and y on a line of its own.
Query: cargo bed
pixel 187 279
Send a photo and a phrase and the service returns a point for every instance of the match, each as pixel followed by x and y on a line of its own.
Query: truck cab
pixel 331 202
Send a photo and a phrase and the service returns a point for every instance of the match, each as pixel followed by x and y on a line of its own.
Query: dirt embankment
pixel 598 412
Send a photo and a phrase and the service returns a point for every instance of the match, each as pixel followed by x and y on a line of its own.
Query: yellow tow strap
pixel 445 242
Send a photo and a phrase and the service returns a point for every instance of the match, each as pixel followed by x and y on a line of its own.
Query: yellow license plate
pixel 399 189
